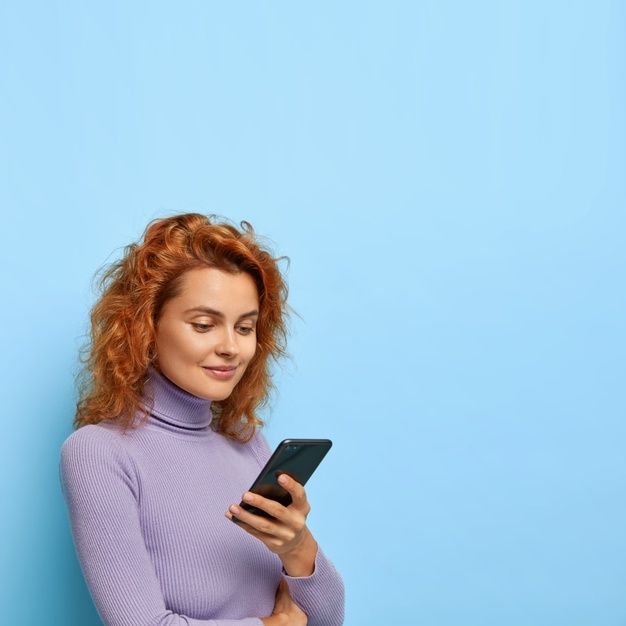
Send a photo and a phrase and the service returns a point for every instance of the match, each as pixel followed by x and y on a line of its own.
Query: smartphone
pixel 298 458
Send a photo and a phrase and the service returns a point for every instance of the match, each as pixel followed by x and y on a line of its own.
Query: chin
pixel 204 396
pixel 217 395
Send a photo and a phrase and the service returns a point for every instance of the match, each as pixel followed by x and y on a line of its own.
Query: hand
pixel 286 612
pixel 287 532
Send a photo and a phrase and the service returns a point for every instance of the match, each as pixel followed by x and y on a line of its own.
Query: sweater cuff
pixel 321 594
pixel 317 573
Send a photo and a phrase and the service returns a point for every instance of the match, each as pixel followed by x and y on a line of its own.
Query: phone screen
pixel 298 458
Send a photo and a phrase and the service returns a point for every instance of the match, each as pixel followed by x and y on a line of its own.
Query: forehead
pixel 209 286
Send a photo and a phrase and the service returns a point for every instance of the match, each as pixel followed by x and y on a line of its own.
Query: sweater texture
pixel 146 510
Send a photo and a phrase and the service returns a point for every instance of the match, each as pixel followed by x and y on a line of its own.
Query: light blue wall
pixel 448 181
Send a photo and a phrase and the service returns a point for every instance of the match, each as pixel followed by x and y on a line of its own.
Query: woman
pixel 167 440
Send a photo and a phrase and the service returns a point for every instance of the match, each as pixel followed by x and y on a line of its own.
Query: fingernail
pixel 248 497
pixel 282 479
pixel 234 508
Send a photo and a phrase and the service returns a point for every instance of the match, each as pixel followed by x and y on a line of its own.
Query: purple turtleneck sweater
pixel 147 518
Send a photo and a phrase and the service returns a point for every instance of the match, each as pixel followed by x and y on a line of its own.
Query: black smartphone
pixel 297 458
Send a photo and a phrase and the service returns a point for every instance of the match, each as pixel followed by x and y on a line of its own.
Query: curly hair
pixel 134 290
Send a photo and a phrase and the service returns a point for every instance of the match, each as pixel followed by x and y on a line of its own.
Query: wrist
pixel 301 560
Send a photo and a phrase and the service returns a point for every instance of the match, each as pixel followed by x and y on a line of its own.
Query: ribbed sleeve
pixel 320 595
pixel 101 487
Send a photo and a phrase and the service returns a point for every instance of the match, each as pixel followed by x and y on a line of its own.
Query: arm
pixel 321 595
pixel 101 491
pixel 314 583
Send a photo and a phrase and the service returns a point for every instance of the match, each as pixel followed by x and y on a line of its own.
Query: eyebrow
pixel 210 311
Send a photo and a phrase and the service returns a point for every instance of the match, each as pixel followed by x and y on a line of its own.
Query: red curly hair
pixel 134 290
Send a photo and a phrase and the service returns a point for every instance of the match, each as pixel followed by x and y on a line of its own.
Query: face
pixel 211 324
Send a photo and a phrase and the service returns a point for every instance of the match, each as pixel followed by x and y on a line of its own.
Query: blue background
pixel 447 179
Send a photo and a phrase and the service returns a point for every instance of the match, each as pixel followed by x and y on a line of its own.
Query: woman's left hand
pixel 287 532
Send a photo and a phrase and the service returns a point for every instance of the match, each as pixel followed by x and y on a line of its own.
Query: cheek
pixel 250 349
pixel 178 340
pixel 164 339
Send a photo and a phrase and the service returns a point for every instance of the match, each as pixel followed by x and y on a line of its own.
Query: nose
pixel 227 345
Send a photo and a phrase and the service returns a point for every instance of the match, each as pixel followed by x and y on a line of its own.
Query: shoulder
pixel 88 438
pixel 260 447
pixel 93 462
pixel 93 445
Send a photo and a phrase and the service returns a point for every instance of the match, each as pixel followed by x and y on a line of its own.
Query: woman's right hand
pixel 286 612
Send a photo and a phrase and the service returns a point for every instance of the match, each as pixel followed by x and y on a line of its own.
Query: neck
pixel 173 406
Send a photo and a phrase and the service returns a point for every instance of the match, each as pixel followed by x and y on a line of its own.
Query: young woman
pixel 167 441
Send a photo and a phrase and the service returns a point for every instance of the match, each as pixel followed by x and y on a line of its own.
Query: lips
pixel 221 372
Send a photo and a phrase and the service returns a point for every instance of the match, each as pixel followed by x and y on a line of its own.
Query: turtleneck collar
pixel 174 408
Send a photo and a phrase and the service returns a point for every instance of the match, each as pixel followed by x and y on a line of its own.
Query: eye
pixel 202 328
pixel 246 330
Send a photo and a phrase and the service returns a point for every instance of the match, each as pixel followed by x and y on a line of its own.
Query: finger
pixel 298 494
pixel 271 541
pixel 260 523
pixel 248 528
pixel 275 509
